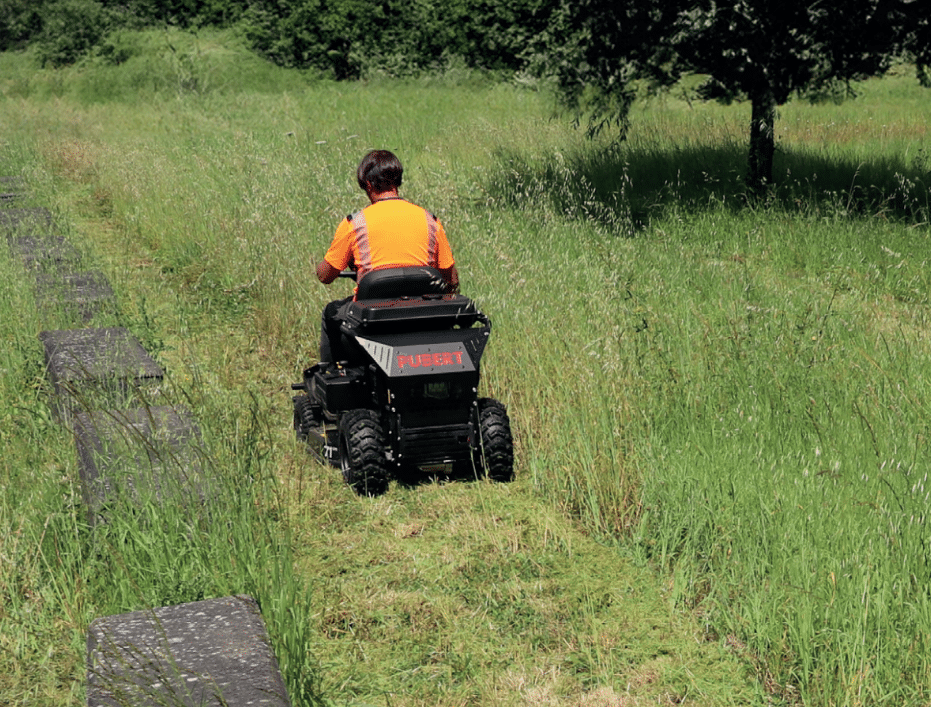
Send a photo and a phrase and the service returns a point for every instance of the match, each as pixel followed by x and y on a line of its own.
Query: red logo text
pixel 446 358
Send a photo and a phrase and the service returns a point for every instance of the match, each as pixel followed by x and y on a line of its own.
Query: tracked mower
pixel 404 400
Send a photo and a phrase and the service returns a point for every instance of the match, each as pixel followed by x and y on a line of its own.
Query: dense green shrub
pixel 342 38
pixel 181 13
pixel 350 38
pixel 71 28
pixel 19 20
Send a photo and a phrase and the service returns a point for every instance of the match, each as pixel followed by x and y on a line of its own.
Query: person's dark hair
pixel 380 170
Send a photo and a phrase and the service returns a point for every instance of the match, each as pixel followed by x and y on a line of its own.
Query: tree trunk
pixel 762 142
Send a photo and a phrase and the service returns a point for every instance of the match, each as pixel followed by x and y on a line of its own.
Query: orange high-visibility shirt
pixel 388 234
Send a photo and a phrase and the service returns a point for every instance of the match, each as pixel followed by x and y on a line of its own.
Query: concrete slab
pixel 212 653
pixel 80 295
pixel 97 368
pixel 11 189
pixel 130 457
pixel 45 252
pixel 32 221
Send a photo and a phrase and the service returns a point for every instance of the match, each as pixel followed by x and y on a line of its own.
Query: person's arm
pixel 445 255
pixel 326 273
pixel 451 275
pixel 339 252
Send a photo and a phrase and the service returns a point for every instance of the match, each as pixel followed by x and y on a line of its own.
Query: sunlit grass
pixel 735 391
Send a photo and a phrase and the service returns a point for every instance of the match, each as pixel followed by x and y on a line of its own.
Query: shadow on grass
pixel 624 187
pixel 412 478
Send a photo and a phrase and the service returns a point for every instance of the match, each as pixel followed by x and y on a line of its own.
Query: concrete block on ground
pixel 145 455
pixel 11 189
pixel 45 252
pixel 97 368
pixel 80 296
pixel 212 653
pixel 29 233
pixel 25 222
pixel 12 183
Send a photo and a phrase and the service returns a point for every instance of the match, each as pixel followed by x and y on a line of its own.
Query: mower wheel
pixel 362 452
pixel 304 418
pixel 494 457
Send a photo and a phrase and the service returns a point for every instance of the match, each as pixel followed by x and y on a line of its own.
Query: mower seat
pixel 409 313
pixel 390 283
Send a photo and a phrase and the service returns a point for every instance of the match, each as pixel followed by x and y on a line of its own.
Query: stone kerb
pixel 97 368
pixel 145 455
pixel 212 653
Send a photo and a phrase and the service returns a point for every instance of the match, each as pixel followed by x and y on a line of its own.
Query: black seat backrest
pixel 422 313
pixel 400 282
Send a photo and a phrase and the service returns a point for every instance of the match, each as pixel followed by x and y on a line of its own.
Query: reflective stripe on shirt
pixel 362 239
pixel 432 247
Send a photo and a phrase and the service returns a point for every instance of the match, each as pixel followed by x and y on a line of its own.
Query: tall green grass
pixel 786 490
pixel 60 569
pixel 735 390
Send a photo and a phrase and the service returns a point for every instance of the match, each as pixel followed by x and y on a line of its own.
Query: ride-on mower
pixel 404 400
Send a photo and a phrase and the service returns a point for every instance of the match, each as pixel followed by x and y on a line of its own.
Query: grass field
pixel 720 406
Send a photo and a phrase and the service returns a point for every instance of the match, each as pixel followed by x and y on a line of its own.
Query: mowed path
pixel 479 593
pixel 438 594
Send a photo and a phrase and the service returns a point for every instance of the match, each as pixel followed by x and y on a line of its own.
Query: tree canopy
pixel 754 49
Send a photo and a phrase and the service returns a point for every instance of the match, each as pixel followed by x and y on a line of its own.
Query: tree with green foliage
pixel 180 13
pixel 19 21
pixel 594 49
pixel 70 29
pixel 348 38
pixel 768 51
pixel 915 26
pixel 754 49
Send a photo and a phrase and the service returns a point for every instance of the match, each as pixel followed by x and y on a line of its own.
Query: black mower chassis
pixel 406 400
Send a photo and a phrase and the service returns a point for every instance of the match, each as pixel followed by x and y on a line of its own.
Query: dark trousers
pixel 331 338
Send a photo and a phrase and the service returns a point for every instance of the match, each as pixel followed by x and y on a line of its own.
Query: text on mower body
pixel 445 358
